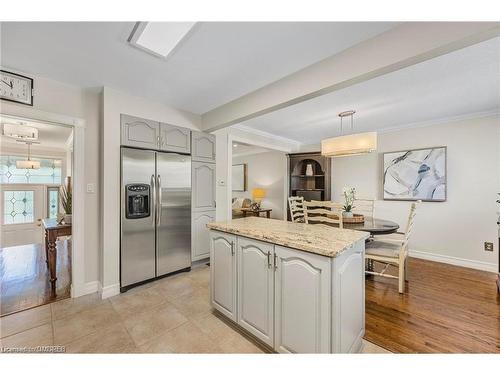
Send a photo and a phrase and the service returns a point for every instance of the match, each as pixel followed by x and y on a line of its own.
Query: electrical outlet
pixel 488 246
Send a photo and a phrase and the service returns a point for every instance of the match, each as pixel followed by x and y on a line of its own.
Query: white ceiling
pixel 51 137
pixel 216 63
pixel 460 83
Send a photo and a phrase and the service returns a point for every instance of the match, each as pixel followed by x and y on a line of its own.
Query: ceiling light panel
pixel 159 38
pixel 17 131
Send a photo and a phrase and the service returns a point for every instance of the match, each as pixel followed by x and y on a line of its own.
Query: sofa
pixel 238 204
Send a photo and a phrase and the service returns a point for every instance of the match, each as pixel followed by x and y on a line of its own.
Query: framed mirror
pixel 239 177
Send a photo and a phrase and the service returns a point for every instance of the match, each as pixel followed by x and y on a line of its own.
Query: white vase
pixel 309 170
pixel 67 218
pixel 347 214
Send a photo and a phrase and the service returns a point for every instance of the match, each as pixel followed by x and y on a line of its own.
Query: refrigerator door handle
pixel 158 203
pixel 153 209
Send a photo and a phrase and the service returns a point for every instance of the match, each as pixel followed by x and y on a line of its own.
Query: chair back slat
pixel 296 206
pixel 323 212
pixel 364 207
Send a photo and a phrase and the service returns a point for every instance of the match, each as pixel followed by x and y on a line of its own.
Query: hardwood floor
pixel 24 277
pixel 446 309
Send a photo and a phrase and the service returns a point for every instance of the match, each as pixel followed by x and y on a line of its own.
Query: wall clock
pixel 16 88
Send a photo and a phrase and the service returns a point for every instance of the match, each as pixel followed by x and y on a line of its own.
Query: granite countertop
pixel 317 239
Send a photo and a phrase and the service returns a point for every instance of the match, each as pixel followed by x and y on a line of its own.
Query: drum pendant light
pixel 28 164
pixel 348 145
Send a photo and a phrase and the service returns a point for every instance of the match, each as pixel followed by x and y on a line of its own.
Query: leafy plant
pixel 67 197
pixel 350 196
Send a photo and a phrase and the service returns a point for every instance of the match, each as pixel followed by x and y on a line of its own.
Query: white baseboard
pixel 478 265
pixel 87 288
pixel 92 287
pixel 109 291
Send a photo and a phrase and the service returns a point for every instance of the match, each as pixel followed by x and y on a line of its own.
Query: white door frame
pixel 78 216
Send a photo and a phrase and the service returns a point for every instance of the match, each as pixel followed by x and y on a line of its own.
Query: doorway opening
pixel 36 166
pixel 258 181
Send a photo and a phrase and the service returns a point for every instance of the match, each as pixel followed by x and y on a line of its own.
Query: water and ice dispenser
pixel 138 200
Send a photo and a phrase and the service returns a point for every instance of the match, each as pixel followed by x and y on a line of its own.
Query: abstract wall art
pixel 415 174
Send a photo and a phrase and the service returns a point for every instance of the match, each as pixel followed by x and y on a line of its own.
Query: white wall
pixel 266 170
pixel 59 98
pixel 114 104
pixel 453 229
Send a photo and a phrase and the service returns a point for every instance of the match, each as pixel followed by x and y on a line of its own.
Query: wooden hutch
pixel 309 176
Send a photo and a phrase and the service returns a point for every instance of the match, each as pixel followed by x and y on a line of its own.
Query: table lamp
pixel 257 195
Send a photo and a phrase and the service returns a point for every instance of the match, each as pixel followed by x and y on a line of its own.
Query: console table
pixel 53 230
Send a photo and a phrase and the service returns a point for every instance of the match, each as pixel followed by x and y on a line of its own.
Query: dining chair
pixel 364 207
pixel 323 212
pixel 392 251
pixel 296 206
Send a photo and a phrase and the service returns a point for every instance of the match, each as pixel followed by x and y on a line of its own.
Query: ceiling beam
pixel 400 47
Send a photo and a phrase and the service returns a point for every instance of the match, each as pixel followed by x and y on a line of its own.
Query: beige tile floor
pixel 171 315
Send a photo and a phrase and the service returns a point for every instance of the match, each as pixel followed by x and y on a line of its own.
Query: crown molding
pixel 262 133
pixel 441 121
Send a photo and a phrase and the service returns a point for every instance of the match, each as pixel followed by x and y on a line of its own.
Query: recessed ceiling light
pixel 159 38
pixel 235 145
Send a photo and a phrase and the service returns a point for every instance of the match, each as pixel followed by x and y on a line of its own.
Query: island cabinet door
pixel 223 273
pixel 256 288
pixel 302 302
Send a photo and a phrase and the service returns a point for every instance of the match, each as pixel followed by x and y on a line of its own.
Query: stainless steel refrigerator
pixel 155 215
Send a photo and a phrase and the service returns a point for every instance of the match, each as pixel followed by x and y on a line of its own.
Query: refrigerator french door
pixel 155 215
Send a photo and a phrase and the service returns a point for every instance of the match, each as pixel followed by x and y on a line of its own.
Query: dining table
pixel 374 226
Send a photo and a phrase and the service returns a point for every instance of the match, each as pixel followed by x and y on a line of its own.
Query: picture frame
pixel 415 174
pixel 239 177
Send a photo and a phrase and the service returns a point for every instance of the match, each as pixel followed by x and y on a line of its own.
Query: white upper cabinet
pixel 137 132
pixel 256 288
pixel 200 241
pixel 203 186
pixel 174 138
pixel 203 147
pixel 302 302
pixel 223 273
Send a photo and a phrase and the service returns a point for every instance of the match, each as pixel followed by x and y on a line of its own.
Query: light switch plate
pixel 90 188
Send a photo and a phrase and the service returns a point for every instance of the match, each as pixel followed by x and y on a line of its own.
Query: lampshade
pixel 27 164
pixel 258 194
pixel 353 144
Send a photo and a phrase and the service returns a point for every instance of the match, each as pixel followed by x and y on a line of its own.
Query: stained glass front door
pixel 22 208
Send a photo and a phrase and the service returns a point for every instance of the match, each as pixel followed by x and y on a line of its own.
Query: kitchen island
pixel 298 288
